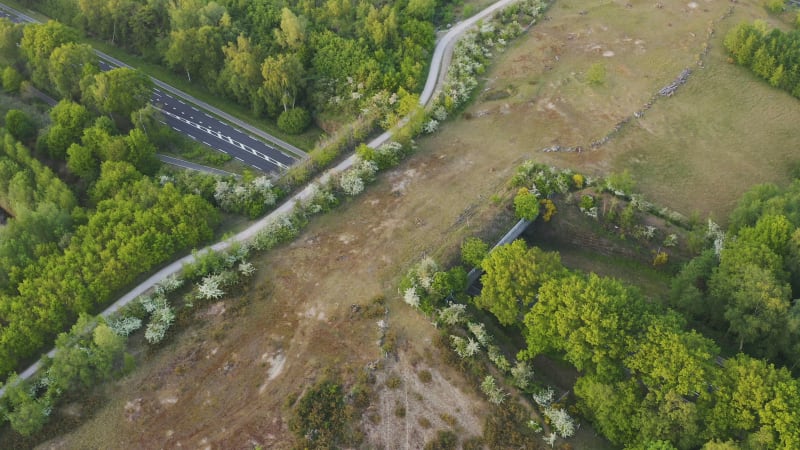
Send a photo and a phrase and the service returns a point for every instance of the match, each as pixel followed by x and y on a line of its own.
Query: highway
pixel 434 82
pixel 182 113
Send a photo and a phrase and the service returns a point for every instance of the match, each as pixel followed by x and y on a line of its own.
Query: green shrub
pixel 596 74
pixel 319 417
pixel 775 6
pixel 294 121
pixel 444 440
pixel 12 79
pixel 20 125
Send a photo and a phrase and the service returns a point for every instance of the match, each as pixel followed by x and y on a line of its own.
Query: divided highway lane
pixel 206 129
pixel 199 125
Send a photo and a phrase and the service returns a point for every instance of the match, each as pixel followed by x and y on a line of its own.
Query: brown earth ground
pixel 222 381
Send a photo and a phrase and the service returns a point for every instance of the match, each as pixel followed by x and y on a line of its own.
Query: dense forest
pixel 87 217
pixel 647 379
pixel 772 55
pixel 275 57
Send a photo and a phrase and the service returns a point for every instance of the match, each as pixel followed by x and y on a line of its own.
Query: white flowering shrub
pixel 479 331
pixel 472 347
pixel 671 240
pixel 544 397
pixel 280 229
pixel 151 303
pixel 125 326
pixel 717 236
pixel 351 183
pixel 160 321
pixel 168 284
pixel 453 314
pixel 439 113
pixel 211 287
pixel 425 270
pixel 498 359
pixel 410 296
pixel 251 198
pixel 321 199
pixel 247 269
pixel 494 393
pixel 522 374
pixel 561 422
pixel 649 232
pixel 430 126
pixel 464 348
pixel 535 426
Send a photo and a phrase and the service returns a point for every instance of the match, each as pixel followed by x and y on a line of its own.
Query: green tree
pixel 474 251
pixel 119 92
pixel 292 32
pixel 669 360
pixel 613 407
pixel 195 51
pixel 38 42
pixel 526 205
pixel 284 78
pixel 421 9
pixel 513 273
pixel 10 36
pixel 241 72
pixel 20 125
pixel 12 79
pixel 67 67
pixel 115 177
pixel 25 412
pixel 68 122
pixel 294 120
pixel 592 320
pixel 141 152
pixel 82 162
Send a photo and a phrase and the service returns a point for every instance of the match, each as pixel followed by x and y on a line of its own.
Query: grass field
pixel 696 151
pixel 723 132
pixel 222 381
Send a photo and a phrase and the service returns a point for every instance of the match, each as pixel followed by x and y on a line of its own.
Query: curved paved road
pixel 443 47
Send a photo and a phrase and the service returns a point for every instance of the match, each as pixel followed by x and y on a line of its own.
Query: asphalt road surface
pixel 199 125
pixel 442 53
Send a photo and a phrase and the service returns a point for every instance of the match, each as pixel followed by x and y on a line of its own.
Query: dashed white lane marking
pixel 227 139
pixel 193 138
pixel 240 159
pixel 176 129
pixel 207 116
pixel 195 109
